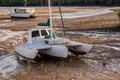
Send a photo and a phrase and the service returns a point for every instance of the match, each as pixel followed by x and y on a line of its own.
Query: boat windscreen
pixel 44 32
pixel 20 11
pixel 35 34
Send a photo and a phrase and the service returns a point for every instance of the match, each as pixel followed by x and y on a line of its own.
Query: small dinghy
pixel 43 40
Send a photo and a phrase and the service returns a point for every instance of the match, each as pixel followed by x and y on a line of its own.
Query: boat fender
pixel 25 40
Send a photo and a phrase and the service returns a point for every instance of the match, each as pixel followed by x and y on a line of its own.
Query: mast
pixel 49 6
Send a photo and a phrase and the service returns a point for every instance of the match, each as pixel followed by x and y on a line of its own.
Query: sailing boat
pixel 42 40
pixel 22 12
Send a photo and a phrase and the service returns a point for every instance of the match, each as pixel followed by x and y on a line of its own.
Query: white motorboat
pixel 22 12
pixel 43 40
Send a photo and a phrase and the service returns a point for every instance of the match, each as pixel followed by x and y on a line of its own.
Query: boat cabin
pixel 20 11
pixel 38 35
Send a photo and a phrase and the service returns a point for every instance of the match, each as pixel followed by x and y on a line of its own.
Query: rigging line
pixel 64 30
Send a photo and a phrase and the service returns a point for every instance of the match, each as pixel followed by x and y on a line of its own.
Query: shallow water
pixel 95 33
pixel 4 10
pixel 84 13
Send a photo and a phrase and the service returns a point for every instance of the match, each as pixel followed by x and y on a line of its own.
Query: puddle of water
pixel 4 10
pixel 6 20
pixel 94 34
pixel 84 13
pixel 110 47
pixel 114 44
pixel 7 24
pixel 101 35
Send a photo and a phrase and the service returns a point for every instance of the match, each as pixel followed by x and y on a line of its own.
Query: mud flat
pixel 102 63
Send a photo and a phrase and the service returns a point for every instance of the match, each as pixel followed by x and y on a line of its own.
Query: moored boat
pixel 41 41
pixel 22 12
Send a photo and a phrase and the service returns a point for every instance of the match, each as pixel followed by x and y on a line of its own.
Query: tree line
pixel 63 2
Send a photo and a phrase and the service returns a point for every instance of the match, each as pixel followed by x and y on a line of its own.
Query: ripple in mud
pixel 114 44
pixel 111 65
pixel 104 58
pixel 10 66
pixel 104 51
pixel 12 24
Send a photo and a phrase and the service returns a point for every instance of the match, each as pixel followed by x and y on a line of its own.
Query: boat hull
pixel 60 50
pixel 31 51
pixel 79 48
pixel 56 51
pixel 15 15
pixel 27 52
pixel 84 48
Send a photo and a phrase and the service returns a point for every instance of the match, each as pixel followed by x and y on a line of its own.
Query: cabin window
pixel 44 32
pixel 20 10
pixel 35 34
